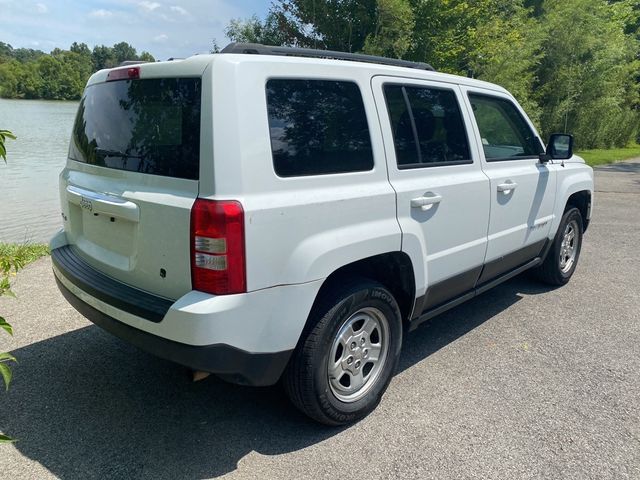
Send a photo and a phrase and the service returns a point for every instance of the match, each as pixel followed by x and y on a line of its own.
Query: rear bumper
pixel 136 302
pixel 235 365
pixel 246 338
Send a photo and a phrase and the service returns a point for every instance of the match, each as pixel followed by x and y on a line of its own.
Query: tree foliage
pixel 587 80
pixel 61 74
pixel 253 30
pixel 392 34
pixel 573 64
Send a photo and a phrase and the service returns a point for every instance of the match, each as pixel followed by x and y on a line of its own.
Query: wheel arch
pixel 394 270
pixel 582 201
pixel 575 188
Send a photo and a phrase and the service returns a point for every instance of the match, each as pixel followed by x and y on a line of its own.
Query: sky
pixel 166 28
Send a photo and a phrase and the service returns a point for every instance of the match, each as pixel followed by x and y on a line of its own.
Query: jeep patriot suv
pixel 270 213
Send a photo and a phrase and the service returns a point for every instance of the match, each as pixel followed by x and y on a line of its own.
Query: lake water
pixel 29 203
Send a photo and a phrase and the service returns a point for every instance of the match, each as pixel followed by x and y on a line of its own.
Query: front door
pixel 522 188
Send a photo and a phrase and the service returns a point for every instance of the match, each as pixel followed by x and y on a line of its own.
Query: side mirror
pixel 560 147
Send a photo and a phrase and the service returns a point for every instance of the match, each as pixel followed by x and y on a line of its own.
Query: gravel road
pixel 521 382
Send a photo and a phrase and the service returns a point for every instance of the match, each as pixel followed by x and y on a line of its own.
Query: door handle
pixel 426 202
pixel 507 187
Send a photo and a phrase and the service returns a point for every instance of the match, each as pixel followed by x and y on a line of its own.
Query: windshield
pixel 148 126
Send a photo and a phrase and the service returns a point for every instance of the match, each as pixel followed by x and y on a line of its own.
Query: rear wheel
pixel 562 258
pixel 345 362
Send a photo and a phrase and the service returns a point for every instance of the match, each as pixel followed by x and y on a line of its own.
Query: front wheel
pixel 345 362
pixel 562 258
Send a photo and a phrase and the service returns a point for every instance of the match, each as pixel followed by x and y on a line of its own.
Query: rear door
pixel 132 177
pixel 442 193
pixel 522 188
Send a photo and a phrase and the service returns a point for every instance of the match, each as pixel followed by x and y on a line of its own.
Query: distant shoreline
pixel 40 99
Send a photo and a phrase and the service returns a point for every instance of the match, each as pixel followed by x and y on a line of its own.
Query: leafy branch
pixel 4 134
pixel 10 263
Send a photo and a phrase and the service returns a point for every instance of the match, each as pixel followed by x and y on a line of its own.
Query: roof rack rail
pixel 258 49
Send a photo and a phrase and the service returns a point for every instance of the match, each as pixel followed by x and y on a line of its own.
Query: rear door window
pixel 427 125
pixel 317 127
pixel 148 126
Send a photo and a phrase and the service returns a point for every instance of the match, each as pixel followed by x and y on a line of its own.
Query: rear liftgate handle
pixel 96 202
pixel 426 202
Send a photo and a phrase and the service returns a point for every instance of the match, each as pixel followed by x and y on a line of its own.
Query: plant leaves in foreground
pixel 5 439
pixel 5 371
pixel 6 326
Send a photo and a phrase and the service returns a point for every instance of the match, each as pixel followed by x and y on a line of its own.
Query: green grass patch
pixel 28 252
pixel 602 156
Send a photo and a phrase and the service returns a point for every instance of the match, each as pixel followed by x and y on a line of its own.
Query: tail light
pixel 217 247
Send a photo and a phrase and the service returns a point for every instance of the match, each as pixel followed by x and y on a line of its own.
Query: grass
pixel 30 252
pixel 602 156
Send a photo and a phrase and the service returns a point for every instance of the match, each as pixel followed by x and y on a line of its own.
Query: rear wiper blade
pixel 114 153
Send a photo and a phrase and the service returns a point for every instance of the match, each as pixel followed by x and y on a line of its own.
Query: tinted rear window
pixel 148 126
pixel 317 127
pixel 427 126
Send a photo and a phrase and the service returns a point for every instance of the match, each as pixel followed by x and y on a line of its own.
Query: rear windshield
pixel 148 126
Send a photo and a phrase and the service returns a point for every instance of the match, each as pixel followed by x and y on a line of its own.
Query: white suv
pixel 270 212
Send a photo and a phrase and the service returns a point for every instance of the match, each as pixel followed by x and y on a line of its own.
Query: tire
pixel 360 312
pixel 562 258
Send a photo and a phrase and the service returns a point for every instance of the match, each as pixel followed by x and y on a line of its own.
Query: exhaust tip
pixel 197 375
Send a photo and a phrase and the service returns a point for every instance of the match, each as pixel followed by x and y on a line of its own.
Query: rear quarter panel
pixel 298 229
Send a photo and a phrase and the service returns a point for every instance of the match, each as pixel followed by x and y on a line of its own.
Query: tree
pixel 60 75
pixel 253 30
pixel 6 52
pixel 342 25
pixel 9 79
pixel 103 57
pixel 24 55
pixel 587 81
pixel 123 51
pixel 56 78
pixel 506 48
pixel 81 49
pixel 146 57
pixel 393 32
pixel 573 64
